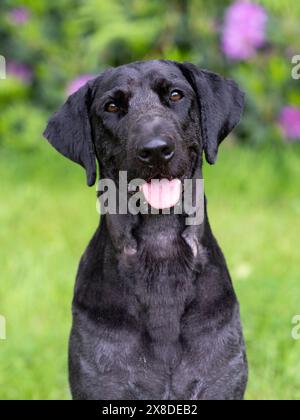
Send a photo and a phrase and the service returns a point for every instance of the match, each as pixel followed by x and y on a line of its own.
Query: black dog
pixel 155 315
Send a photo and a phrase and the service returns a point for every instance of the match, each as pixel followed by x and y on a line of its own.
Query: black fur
pixel 155 315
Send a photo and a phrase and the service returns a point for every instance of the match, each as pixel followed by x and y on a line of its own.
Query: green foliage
pixel 21 126
pixel 63 39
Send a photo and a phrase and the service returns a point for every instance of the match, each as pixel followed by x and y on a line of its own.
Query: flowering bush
pixel 244 30
pixel 290 122
pixel 19 71
pixel 53 48
pixel 19 15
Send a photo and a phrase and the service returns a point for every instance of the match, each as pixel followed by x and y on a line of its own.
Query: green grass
pixel 47 217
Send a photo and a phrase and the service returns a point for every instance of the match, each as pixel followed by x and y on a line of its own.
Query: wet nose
pixel 156 151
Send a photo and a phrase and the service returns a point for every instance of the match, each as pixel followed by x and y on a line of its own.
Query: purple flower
pixel 289 121
pixel 20 71
pixel 244 30
pixel 19 15
pixel 78 83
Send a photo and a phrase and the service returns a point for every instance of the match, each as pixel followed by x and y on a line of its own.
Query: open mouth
pixel 160 189
pixel 162 193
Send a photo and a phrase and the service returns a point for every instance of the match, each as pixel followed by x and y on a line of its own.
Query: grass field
pixel 47 217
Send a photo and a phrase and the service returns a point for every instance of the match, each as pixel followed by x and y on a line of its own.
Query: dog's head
pixel 153 119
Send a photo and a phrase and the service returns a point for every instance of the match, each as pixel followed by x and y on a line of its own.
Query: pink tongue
pixel 162 194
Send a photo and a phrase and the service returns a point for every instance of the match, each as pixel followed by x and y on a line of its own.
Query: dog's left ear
pixel 221 104
pixel 69 131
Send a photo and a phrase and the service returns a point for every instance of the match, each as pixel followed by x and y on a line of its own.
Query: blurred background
pixel 47 215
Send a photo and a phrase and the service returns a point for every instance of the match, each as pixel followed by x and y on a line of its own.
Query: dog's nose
pixel 156 151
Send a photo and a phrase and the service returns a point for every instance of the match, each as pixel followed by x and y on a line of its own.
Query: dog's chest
pixel 161 283
pixel 163 296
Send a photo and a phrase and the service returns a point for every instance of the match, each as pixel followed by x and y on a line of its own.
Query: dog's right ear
pixel 69 131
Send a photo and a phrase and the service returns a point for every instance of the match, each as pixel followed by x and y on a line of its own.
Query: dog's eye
pixel 176 96
pixel 112 107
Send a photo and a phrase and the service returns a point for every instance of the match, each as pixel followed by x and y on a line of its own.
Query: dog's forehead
pixel 141 73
